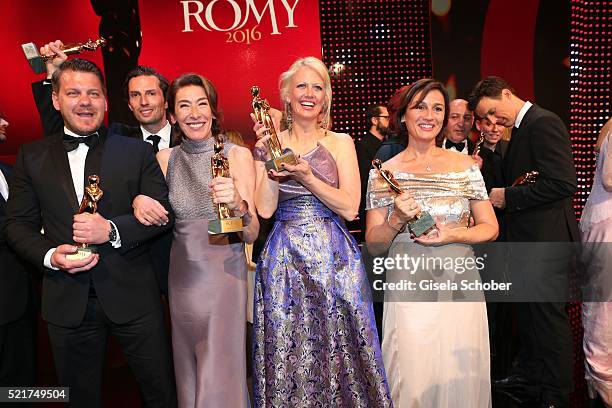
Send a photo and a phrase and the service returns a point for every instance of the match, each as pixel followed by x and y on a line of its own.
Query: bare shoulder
pixel 339 136
pixel 454 161
pixel 240 153
pixel 394 163
pixel 337 142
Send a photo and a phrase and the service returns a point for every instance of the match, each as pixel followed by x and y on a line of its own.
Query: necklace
pixel 428 169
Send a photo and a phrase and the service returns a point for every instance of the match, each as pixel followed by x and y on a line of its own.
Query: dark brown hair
pixel 490 87
pixel 210 91
pixel 404 99
pixel 76 65
pixel 141 70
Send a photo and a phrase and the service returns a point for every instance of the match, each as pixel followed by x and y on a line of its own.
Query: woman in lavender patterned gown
pixel 315 340
pixel 207 279
pixel 596 235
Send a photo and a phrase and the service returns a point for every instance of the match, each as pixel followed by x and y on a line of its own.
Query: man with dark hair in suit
pixel 377 120
pixel 17 310
pixel 113 291
pixel 145 91
pixel 538 212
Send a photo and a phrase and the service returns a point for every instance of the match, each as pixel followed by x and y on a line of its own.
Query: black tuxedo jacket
pixel 492 165
pixel 53 123
pixel 543 211
pixel 42 195
pixel 14 278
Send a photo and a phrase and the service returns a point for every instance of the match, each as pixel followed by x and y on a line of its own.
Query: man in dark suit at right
pixel 537 212
pixel 145 91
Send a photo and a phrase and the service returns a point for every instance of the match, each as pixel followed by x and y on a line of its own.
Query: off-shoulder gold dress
pixel 435 341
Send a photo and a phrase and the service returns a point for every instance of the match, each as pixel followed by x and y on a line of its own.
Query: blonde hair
pixel 284 84
pixel 235 137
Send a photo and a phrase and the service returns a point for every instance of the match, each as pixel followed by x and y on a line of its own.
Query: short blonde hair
pixel 284 83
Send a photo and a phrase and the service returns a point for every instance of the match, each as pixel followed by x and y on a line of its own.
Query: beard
pixel 382 129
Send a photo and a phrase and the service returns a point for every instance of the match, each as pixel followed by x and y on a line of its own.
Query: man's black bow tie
pixel 71 143
pixel 459 146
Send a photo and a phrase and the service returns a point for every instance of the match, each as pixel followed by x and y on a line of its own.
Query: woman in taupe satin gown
pixel 208 273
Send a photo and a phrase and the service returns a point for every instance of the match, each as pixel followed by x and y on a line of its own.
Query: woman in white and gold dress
pixel 435 342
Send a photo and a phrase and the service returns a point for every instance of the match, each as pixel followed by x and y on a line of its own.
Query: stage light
pixel 372 49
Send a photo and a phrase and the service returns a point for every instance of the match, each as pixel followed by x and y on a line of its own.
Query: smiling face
pixel 193 113
pixel 3 125
pixel 147 102
pixel 306 94
pixel 460 121
pixel 81 100
pixel 492 133
pixel 424 121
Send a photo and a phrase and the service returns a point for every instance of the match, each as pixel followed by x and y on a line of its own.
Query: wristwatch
pixel 112 234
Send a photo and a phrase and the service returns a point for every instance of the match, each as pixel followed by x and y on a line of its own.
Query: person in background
pixel 17 301
pixel 596 234
pixel 377 120
pixel 540 212
pixel 457 131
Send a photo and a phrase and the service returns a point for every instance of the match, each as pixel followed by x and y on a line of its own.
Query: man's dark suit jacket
pixel 543 211
pixel 492 165
pixel 14 279
pixel 53 123
pixel 42 195
pixel 366 149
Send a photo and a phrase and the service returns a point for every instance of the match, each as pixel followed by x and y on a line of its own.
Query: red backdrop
pixel 38 22
pixel 234 60
pixel 234 43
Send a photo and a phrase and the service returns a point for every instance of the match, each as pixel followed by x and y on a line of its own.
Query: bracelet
pixel 399 230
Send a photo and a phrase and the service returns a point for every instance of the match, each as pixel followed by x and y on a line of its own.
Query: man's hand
pixel 498 197
pixel 90 229
pixel 149 211
pixel 53 64
pixel 58 260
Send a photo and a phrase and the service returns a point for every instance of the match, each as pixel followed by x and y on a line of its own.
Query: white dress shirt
pixel 3 186
pixel 521 114
pixel 164 133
